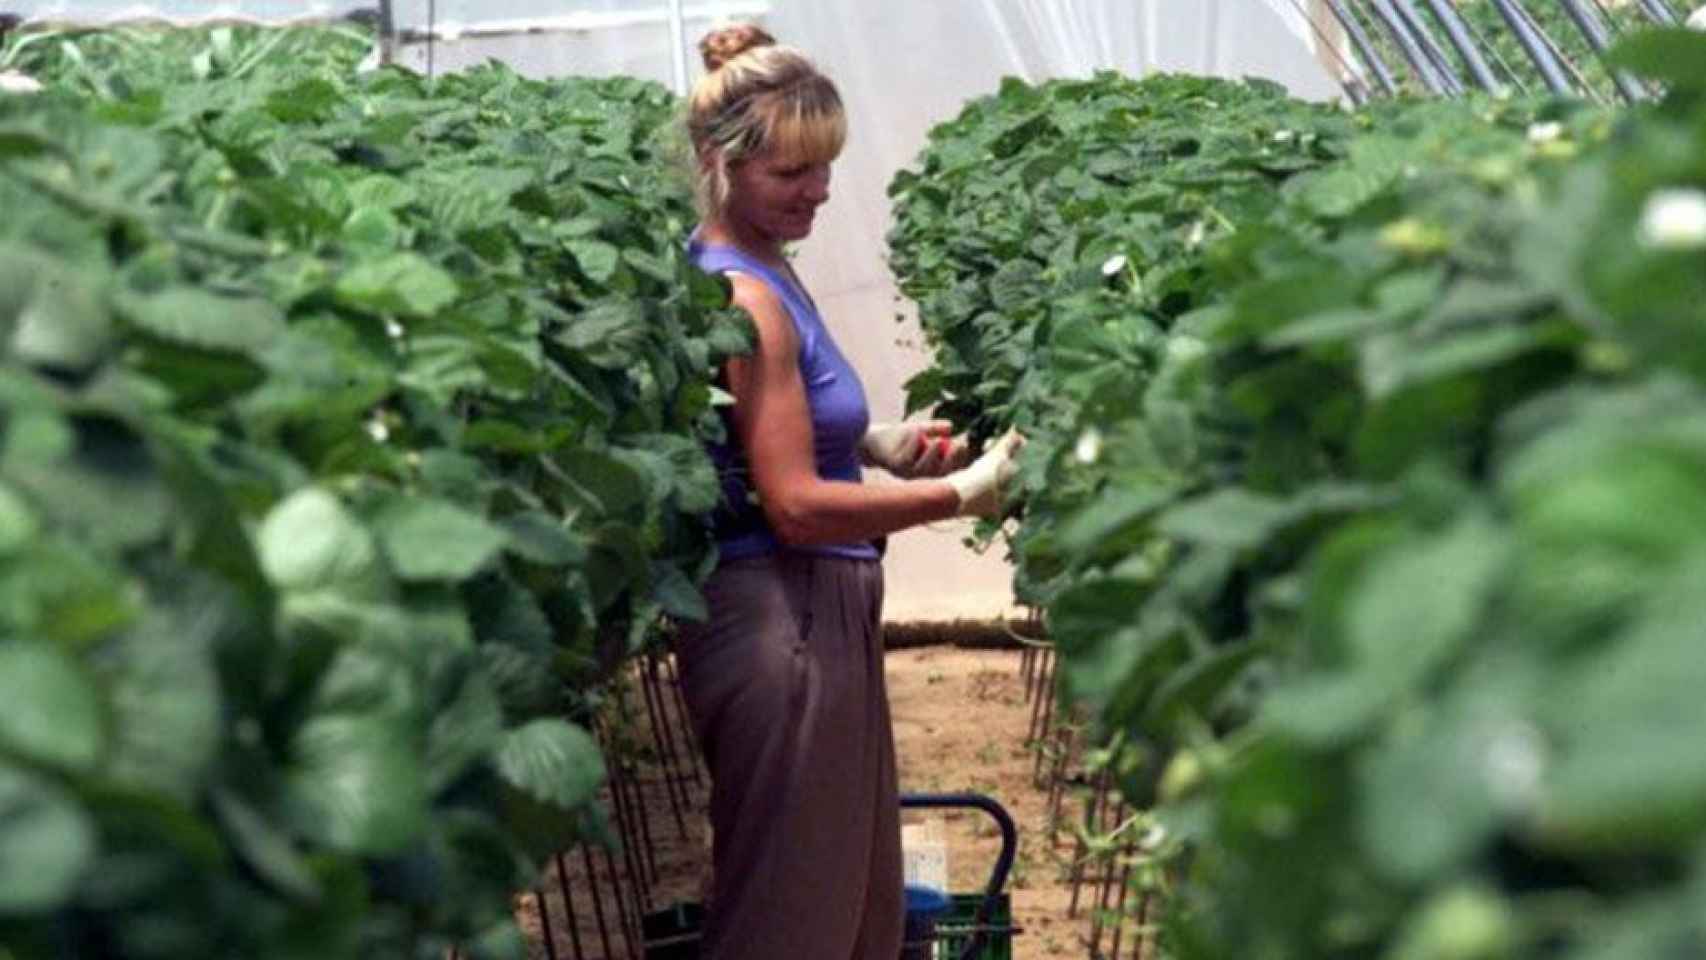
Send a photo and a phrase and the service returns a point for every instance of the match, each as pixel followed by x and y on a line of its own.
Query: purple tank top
pixel 839 416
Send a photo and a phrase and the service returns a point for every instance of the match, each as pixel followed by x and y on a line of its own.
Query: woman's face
pixel 775 199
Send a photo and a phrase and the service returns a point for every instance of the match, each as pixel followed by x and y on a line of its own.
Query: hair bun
pixel 720 46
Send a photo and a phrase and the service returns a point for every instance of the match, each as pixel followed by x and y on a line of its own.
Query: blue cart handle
pixel 1003 863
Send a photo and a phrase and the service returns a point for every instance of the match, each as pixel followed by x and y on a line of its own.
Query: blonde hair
pixel 757 95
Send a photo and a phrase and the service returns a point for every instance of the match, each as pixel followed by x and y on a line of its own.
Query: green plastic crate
pixel 954 929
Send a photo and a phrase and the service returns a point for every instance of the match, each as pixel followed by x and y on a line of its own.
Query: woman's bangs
pixel 809 127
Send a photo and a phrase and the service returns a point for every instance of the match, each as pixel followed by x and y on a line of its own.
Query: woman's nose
pixel 817 187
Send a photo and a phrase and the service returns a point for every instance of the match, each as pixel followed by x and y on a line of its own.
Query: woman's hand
pixel 982 486
pixel 913 450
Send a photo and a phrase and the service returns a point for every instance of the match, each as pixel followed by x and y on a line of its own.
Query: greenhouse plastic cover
pixel 902 67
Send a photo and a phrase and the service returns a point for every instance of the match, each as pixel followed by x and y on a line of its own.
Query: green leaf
pixel 51 317
pixel 609 333
pixel 18 524
pixel 677 596
pixel 46 843
pixel 428 539
pixel 542 538
pixel 382 192
pixel 406 284
pixel 1625 774
pixel 465 730
pixel 372 231
pixel 357 783
pixel 1231 518
pixel 597 259
pixel 52 712
pixel 1425 805
pixel 1675 55
pixel 166 709
pixel 267 851
pixel 552 762
pixel 202 319
pixel 1418 602
pixel 310 541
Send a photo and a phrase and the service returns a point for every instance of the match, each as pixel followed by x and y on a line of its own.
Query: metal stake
pixel 1442 65
pixel 1418 60
pixel 1536 49
pixel 1365 48
pixel 1456 31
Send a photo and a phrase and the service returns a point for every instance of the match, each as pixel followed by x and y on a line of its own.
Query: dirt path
pixel 961 723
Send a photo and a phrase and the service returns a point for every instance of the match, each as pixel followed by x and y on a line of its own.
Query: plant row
pixel 1365 496
pixel 350 434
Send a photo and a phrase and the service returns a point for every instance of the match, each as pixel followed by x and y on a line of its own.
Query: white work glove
pixel 982 484
pixel 910 450
pixel 13 81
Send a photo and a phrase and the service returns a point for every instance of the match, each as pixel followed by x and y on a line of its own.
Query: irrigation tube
pixel 1458 32
pixel 1660 12
pixel 1407 45
pixel 1588 23
pixel 1365 48
pixel 1549 69
pixel 1442 64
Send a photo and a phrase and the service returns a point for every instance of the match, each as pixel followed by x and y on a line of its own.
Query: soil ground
pixel 961 723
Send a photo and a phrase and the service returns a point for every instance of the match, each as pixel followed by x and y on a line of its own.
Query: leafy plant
pixel 352 434
pixel 1363 526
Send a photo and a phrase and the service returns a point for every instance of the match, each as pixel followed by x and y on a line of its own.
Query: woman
pixel 784 683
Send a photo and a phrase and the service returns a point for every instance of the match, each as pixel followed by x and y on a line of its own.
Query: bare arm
pixel 773 425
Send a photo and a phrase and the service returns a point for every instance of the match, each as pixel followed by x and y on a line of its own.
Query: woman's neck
pixel 765 250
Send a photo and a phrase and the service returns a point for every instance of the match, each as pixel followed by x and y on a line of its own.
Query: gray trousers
pixel 784 685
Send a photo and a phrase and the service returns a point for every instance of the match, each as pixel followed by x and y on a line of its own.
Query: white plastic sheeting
pixel 905 66
pixel 181 11
pixel 902 66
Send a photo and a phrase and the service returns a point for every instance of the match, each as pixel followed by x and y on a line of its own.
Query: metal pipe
pixel 678 47
pixel 387 32
pixel 1588 22
pixel 1498 58
pixel 1365 48
pixel 1563 58
pixel 1412 21
pixel 1659 12
pixel 589 21
pixel 1458 33
pixel 1549 69
pixel 1407 46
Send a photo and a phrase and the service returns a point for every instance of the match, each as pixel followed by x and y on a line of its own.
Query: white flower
pixel 1183 348
pixel 1114 264
pixel 11 81
pixel 1283 136
pixel 393 329
pixel 377 429
pixel 1545 132
pixel 1199 230
pixel 1513 759
pixel 1089 448
pixel 1697 19
pixel 1674 219
pixel 1154 837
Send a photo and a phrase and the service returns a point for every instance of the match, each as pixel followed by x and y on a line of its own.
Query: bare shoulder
pixel 768 314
